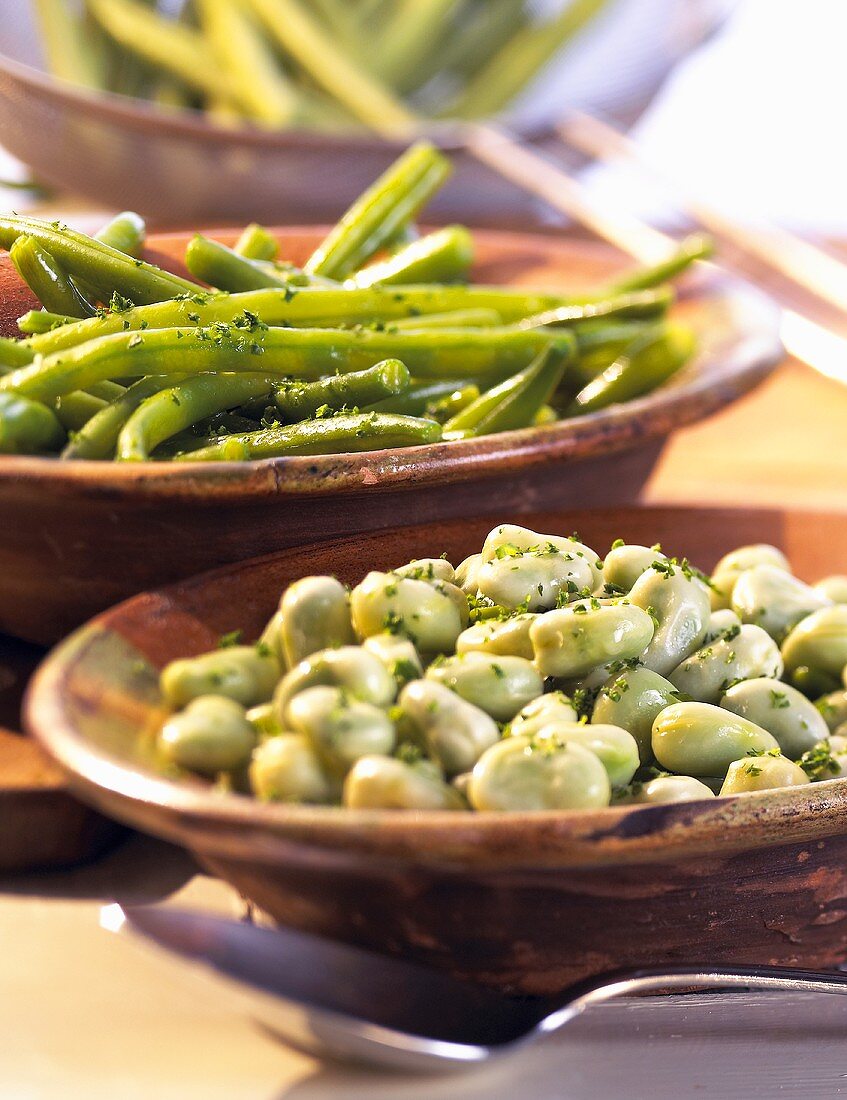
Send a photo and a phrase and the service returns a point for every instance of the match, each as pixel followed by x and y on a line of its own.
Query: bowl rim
pixel 240 827
pixel 683 401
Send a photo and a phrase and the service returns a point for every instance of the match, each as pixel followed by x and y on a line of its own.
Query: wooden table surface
pixel 85 1016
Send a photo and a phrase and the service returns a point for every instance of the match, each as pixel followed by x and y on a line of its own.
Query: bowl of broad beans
pixel 525 752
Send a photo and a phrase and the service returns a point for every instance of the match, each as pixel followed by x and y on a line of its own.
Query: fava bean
pixel 701 739
pixel 616 749
pixel 415 609
pixel 833 588
pixel 340 728
pixel 314 616
pixel 358 673
pixel 397 654
pixel 246 674
pixel 774 600
pixel 678 603
pixel 555 706
pixel 780 709
pixel 669 788
pixel 520 774
pixel 733 564
pixel 286 768
pixel 624 564
pixel 211 735
pixel 707 674
pixel 632 699
pixel 383 783
pixel 570 644
pixel 499 636
pixel 819 642
pixel 762 773
pixel 454 731
pixel 499 685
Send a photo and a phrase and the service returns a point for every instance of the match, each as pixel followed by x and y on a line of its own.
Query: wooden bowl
pixel 79 536
pixel 526 902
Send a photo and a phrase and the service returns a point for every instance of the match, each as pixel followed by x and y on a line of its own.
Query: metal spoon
pixel 329 998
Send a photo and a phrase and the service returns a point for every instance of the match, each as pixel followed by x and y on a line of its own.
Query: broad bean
pixel 632 699
pixel 499 685
pixel 733 564
pixel 780 709
pixel 762 773
pixel 211 735
pixel 570 643
pixel 678 603
pixel 773 599
pixel 359 673
pixel 383 783
pixel 707 674
pixel 454 731
pixel 340 728
pixel 416 609
pixel 286 768
pixel 508 637
pixel 246 674
pixel 519 773
pixel 701 739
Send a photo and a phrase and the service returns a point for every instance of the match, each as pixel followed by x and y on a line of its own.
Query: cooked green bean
pixel 171 410
pixel 46 279
pixel 248 61
pixel 651 360
pixel 309 307
pixel 417 399
pixel 633 305
pixel 256 243
pixel 459 318
pixel 13 353
pixel 99 436
pixel 357 432
pixel 76 408
pixel 513 403
pixel 301 400
pixel 126 232
pixel 304 39
pixel 96 264
pixel 375 217
pixel 36 321
pixel 67 46
pixel 28 427
pixel 297 353
pixel 225 269
pixel 168 45
pixel 413 30
pixel 697 246
pixel 443 256
pixel 514 65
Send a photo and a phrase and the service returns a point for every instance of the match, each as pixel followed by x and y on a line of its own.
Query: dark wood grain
pixel 79 536
pixel 524 901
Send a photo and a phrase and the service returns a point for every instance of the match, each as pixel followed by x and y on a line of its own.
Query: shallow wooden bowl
pixel 522 901
pixel 79 536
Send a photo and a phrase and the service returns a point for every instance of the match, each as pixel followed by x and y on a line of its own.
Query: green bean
pixel 336 435
pixel 487 29
pixel 297 353
pixel 452 403
pixel 256 243
pixel 443 256
pixel 515 402
pixel 311 306
pixel 46 279
pixel 633 305
pixel 104 268
pixel 301 400
pixel 69 52
pixel 248 61
pixel 126 232
pixel 225 269
pixel 75 409
pixel 302 38
pixel 41 320
pixel 98 437
pixel 417 399
pixel 415 28
pixel 28 427
pixel 13 353
pixel 697 246
pixel 514 65
pixel 176 408
pixel 164 43
pixel 649 361
pixel 459 318
pixel 374 218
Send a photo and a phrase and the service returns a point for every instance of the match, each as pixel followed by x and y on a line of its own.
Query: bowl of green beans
pixel 216 399
pixel 526 752
pixel 229 109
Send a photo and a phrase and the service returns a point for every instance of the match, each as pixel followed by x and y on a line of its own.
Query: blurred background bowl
pixel 177 167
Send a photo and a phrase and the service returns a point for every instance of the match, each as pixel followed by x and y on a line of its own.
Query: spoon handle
pixel 631 983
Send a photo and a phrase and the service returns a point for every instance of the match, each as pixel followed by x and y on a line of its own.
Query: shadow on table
pixel 140 870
